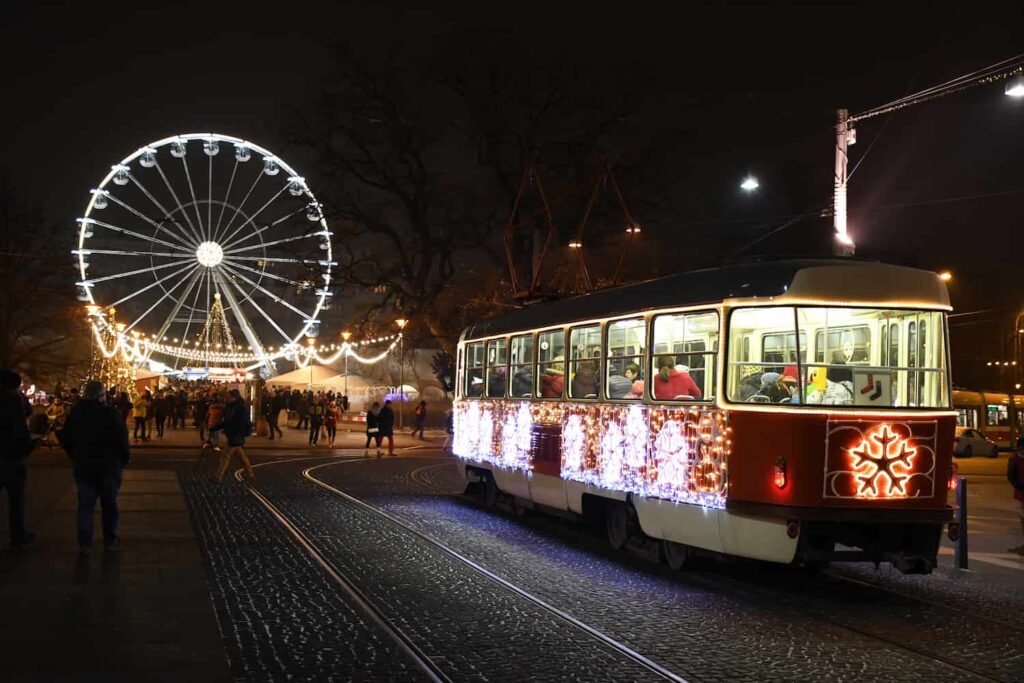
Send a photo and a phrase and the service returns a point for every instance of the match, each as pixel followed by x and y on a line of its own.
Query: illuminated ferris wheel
pixel 205 231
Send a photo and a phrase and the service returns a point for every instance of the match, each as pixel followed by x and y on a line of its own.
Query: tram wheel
pixel 616 523
pixel 675 555
pixel 490 490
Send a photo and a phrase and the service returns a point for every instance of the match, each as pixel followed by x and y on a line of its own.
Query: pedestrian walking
pixel 302 410
pixel 387 427
pixel 236 427
pixel 331 415
pixel 372 429
pixel 421 419
pixel 96 439
pixel 180 409
pixel 449 429
pixel 316 419
pixel 1015 475
pixel 278 405
pixel 202 408
pixel 140 409
pixel 15 445
pixel 214 421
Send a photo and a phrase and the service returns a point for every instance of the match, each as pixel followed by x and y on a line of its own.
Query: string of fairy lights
pixel 135 346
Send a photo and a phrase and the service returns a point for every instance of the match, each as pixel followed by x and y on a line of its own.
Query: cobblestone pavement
pixel 280 615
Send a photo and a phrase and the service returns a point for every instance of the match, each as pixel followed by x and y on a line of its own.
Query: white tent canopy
pixel 315 375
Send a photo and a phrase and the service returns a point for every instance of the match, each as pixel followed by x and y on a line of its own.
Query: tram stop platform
pixel 141 613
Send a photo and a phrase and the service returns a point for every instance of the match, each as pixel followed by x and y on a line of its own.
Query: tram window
pixel 521 366
pixel 883 347
pixel 967 417
pixel 550 364
pixel 997 415
pixel 584 362
pixel 894 345
pixel 497 373
pixel 911 362
pixel 688 372
pixel 474 370
pixel 625 358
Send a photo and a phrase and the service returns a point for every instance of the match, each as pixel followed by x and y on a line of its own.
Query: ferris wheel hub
pixel 209 254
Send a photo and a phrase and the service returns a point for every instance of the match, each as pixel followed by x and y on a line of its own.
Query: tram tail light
pixel 779 473
pixel 952 476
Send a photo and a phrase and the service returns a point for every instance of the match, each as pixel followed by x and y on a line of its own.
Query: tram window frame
pixel 708 389
pixel 543 366
pixel 473 370
pixel 514 368
pixel 496 366
pixel 621 362
pixel 575 362
pixel 1002 411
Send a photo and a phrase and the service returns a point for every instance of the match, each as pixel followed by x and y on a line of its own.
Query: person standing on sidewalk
pixel 1015 475
pixel 387 427
pixel 15 445
pixel 421 419
pixel 162 407
pixel 372 429
pixel 302 410
pixel 236 426
pixel 331 415
pixel 202 407
pixel 141 411
pixel 96 439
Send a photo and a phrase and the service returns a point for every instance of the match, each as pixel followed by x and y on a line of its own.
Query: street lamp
pixel 1015 85
pixel 401 322
pixel 345 336
pixel 750 184
pixel 946 276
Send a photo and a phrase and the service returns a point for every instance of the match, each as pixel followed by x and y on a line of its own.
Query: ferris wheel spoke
pixel 167 214
pixel 251 218
pixel 243 322
pixel 227 195
pixel 284 240
pixel 191 317
pixel 149 220
pixel 238 209
pixel 119 252
pixel 195 202
pixel 156 303
pixel 305 316
pixel 258 231
pixel 281 259
pixel 153 284
pixel 264 273
pixel 192 277
pixel 266 316
pixel 187 252
pixel 209 197
pixel 129 273
pixel 177 201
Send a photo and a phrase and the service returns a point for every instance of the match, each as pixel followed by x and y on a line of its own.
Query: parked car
pixel 969 442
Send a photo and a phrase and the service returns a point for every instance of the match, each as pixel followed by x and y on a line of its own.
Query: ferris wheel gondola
pixel 170 242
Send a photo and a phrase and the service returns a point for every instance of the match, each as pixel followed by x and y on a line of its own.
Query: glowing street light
pixel 575 244
pixel 1015 85
pixel 946 276
pixel 750 184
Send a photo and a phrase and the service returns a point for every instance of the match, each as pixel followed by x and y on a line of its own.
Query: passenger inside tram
pixel 522 382
pixel 627 385
pixel 553 379
pixel 671 384
pixel 585 382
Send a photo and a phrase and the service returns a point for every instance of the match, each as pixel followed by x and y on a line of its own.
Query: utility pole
pixel 845 136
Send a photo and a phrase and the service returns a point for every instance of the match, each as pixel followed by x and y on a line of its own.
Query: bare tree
pixel 422 155
pixel 41 330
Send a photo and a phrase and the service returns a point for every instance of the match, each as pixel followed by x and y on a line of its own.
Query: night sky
pixel 727 91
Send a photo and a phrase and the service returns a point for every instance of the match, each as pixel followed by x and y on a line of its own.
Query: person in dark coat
pixel 421 419
pixel 180 409
pixel 387 427
pixel 372 429
pixel 278 404
pixel 236 426
pixel 15 445
pixel 163 407
pixel 302 410
pixel 96 439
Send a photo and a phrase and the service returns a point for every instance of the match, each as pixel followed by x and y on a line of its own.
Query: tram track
pixel 768 599
pixel 379 616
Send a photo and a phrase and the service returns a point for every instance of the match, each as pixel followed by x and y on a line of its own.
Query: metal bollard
pixel 961 518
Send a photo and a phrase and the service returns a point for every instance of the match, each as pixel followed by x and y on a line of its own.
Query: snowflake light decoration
pixel 573 443
pixel 882 456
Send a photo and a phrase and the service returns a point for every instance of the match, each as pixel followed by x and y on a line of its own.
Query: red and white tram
pixel 785 411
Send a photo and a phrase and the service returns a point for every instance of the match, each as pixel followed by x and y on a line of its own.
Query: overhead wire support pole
pixel 549 218
pixel 632 227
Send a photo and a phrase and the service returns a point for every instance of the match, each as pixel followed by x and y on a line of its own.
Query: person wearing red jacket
pixel 670 383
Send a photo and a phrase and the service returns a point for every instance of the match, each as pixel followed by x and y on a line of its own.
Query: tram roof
pixel 829 280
